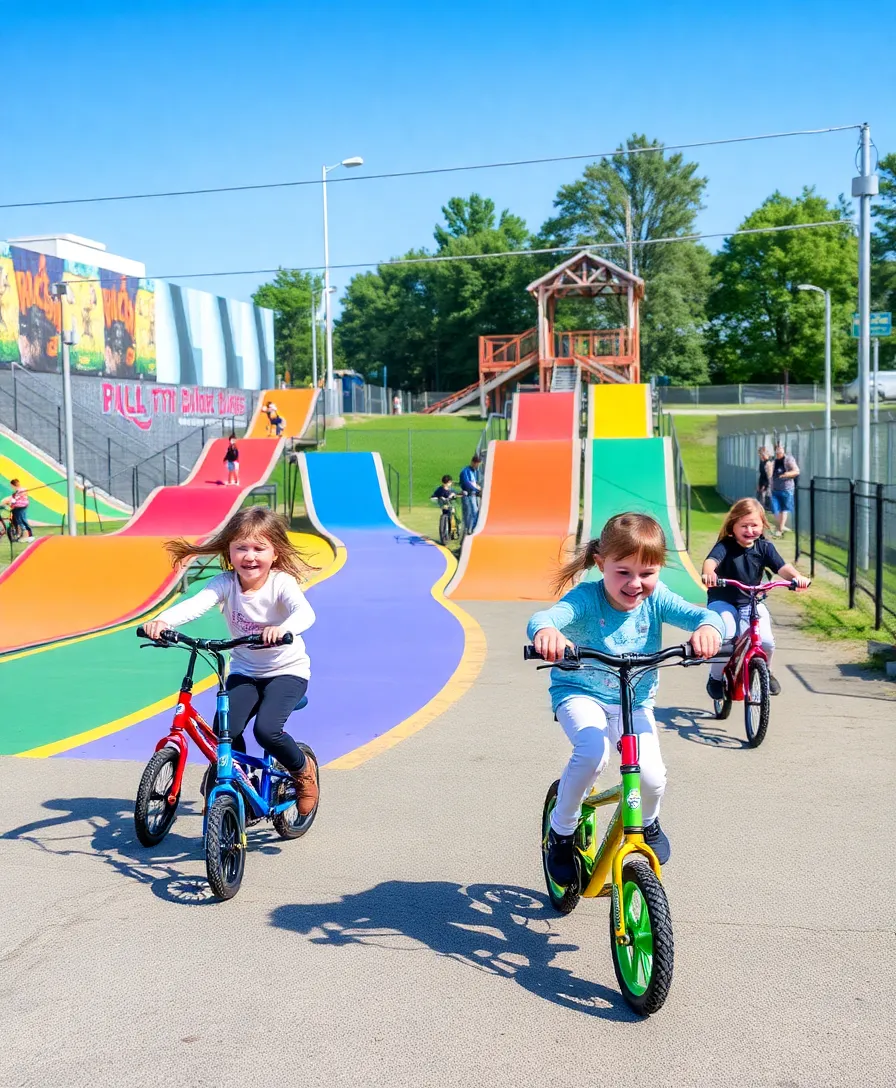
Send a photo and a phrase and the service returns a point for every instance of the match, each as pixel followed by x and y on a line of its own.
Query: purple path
pixel 381 647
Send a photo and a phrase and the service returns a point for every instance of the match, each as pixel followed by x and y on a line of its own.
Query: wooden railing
pixel 502 352
pixel 594 344
pixel 445 402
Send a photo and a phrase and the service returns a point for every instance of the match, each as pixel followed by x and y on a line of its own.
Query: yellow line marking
pixel 65 745
pixel 458 684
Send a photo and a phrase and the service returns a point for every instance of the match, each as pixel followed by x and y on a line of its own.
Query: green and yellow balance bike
pixel 620 864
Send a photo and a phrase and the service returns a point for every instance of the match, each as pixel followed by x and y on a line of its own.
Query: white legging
pixel 736 621
pixel 592 727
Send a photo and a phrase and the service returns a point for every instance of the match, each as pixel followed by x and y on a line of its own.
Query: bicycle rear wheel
pixel 290 824
pixel 757 702
pixel 564 900
pixel 153 815
pixel 643 967
pixel 225 847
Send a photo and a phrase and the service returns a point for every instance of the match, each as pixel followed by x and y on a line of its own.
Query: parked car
pixel 886 387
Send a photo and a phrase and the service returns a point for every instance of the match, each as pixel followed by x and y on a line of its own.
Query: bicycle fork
pixel 225 772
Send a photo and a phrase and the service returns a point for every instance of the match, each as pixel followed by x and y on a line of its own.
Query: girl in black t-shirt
pixel 743 553
pixel 232 460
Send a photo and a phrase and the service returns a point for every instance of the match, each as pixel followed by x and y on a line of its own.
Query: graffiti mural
pixel 129 328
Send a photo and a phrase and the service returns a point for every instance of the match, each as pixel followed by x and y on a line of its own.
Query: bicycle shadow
pixel 103 828
pixel 502 931
pixel 701 726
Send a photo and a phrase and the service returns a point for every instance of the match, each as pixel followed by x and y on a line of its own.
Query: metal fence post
pixel 851 554
pixel 812 527
pixel 410 472
pixel 879 556
pixel 59 435
pixel 109 457
pixel 178 463
pixel 15 407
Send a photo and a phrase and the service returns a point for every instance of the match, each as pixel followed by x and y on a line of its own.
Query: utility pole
pixel 67 339
pixel 865 186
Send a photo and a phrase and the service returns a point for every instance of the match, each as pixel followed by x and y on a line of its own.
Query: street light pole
pixel 356 161
pixel 67 338
pixel 827 371
pixel 865 186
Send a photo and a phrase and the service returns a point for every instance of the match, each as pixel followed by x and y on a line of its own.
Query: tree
pixel 423 320
pixel 289 296
pixel 883 251
pixel 762 327
pixel 665 195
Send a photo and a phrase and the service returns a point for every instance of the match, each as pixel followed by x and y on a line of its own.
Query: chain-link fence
pixel 738 460
pixel 365 399
pixel 744 393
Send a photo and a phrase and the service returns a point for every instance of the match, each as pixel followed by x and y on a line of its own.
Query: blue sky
pixel 117 98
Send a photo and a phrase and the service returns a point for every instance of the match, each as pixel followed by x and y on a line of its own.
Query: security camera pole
pixel 67 336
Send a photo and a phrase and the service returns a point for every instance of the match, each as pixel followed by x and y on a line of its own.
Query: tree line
pixel 732 316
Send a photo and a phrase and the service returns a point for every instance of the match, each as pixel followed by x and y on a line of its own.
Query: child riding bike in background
pixel 743 553
pixel 623 613
pixel 444 492
pixel 18 504
pixel 259 593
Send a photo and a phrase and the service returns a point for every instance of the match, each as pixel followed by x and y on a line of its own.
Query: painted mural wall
pixel 135 329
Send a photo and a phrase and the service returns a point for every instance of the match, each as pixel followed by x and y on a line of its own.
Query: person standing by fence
pixel 763 484
pixel 471 492
pixel 784 473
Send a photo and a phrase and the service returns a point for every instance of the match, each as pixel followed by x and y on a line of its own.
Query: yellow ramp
pixel 619 411
pixel 296 408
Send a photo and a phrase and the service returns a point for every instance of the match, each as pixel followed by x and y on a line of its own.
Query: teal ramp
pixel 635 474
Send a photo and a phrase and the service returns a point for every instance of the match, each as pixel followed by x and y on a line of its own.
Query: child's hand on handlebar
pixel 154 628
pixel 709 578
pixel 802 582
pixel 550 643
pixel 270 635
pixel 706 641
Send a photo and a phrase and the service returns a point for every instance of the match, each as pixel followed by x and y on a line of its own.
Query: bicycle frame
pixel 747 645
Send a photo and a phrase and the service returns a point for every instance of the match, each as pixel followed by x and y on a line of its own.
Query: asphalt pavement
pixel 407 939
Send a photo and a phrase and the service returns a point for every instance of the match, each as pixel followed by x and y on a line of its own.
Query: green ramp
pixel 635 474
pixel 44 480
pixel 58 692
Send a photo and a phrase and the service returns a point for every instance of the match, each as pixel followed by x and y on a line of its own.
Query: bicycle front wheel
pixel 757 702
pixel 444 530
pixel 644 967
pixel 225 849
pixel 153 815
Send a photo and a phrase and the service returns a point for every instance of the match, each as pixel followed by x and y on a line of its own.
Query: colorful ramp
pixel 635 474
pixel 144 683
pixel 44 480
pixel 387 653
pixel 541 416
pixel 65 586
pixel 296 408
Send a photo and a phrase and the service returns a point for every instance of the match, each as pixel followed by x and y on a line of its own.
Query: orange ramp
pixel 619 411
pixel 62 586
pixel 296 406
pixel 539 416
pixel 529 510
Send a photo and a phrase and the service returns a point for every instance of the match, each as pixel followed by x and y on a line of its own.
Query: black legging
pixel 271 700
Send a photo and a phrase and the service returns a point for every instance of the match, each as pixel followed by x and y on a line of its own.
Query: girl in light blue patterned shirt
pixel 622 613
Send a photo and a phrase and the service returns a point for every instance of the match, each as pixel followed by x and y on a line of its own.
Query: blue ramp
pixel 347 491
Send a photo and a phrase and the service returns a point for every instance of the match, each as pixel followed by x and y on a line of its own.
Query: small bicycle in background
pixel 621 865
pixel 244 788
pixel 746 675
pixel 450 526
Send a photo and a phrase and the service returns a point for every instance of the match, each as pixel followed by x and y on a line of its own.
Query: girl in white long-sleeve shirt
pixel 259 593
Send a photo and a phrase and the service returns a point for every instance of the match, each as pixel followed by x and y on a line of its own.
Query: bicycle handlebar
pixel 575 655
pixel 723 582
pixel 170 637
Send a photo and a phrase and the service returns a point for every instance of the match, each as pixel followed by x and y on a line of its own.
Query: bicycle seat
pixel 301 704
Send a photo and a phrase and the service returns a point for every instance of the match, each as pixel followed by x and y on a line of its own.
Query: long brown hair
pixel 741 509
pixel 250 523
pixel 624 534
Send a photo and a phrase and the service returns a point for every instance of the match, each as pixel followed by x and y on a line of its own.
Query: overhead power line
pixel 436 259
pixel 352 177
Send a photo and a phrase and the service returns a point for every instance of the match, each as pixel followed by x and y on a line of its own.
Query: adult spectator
pixel 784 473
pixel 471 492
pixel 763 484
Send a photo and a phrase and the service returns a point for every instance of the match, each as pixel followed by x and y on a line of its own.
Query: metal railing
pixel 744 393
pixel 665 426
pixel 851 530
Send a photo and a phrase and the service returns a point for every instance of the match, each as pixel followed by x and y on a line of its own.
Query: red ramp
pixel 541 416
pixel 67 586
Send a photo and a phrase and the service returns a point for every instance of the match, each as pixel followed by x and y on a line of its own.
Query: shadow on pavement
pixel 502 931
pixel 103 828
pixel 702 727
pixel 854 677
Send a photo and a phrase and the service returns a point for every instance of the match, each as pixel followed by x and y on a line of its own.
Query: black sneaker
pixel 715 689
pixel 561 859
pixel 773 686
pixel 658 841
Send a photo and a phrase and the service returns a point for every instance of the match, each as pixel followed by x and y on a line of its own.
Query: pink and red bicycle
pixel 746 675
